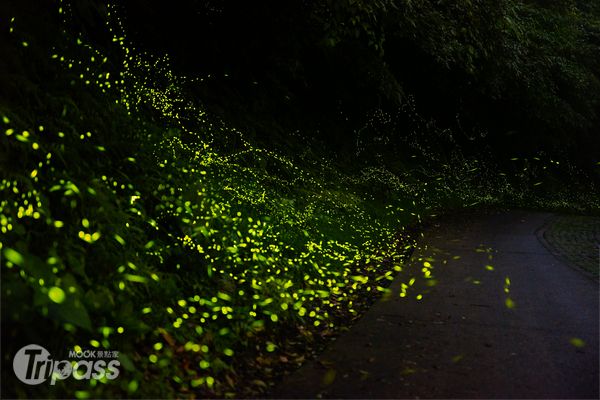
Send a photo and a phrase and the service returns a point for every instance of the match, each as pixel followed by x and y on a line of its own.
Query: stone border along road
pixel 575 240
pixel 506 319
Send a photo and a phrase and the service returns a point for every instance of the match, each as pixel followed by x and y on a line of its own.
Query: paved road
pixel 475 334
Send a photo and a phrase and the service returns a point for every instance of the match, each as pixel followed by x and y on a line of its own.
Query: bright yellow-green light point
pixel 210 381
pixel 56 294
pixel 577 342
pixel 509 303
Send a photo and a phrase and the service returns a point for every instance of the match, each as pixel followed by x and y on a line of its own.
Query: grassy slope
pixel 133 221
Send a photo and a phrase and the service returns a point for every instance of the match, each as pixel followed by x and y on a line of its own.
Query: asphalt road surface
pixel 499 317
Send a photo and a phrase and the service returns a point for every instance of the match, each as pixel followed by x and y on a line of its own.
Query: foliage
pixel 536 64
pixel 529 67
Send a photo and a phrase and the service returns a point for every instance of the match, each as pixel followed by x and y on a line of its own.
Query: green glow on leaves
pixel 13 256
pixel 132 387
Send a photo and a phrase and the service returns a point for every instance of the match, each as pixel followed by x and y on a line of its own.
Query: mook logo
pixel 33 365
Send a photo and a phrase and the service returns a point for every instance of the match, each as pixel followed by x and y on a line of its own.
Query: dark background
pixel 523 74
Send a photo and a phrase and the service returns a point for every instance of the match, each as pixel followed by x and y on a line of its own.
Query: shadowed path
pixel 462 339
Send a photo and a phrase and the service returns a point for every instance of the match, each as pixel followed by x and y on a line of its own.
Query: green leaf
pixel 126 362
pixel 72 311
pixel 14 256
